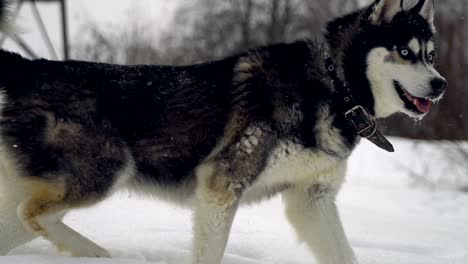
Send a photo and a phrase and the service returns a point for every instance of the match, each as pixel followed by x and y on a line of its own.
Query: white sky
pixel 104 13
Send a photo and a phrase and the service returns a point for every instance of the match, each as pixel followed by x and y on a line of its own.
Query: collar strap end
pixel 366 127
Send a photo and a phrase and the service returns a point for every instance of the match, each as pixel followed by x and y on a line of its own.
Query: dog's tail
pixel 12 65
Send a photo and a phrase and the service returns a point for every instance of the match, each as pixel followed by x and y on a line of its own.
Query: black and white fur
pixel 211 136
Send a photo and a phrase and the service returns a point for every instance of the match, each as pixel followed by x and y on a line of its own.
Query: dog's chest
pixel 290 164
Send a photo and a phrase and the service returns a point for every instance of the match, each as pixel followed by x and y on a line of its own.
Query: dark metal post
pixel 64 29
pixel 43 29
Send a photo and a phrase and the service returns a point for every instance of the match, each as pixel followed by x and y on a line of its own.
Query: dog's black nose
pixel 439 85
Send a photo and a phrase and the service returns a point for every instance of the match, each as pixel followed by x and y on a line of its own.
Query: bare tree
pixel 245 24
pixel 233 26
pixel 125 46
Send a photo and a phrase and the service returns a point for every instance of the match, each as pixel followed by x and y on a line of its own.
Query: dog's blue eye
pixel 430 58
pixel 404 52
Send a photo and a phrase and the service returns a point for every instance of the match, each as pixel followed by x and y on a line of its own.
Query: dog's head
pixel 394 49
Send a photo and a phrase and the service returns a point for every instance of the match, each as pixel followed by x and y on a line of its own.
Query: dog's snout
pixel 439 85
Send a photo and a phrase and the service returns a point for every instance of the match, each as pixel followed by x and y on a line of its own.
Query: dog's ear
pixel 383 11
pixel 426 9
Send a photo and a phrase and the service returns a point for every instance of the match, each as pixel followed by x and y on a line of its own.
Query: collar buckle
pixel 362 122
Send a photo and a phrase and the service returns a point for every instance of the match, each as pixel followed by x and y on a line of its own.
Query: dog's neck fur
pixel 346 51
pixel 344 96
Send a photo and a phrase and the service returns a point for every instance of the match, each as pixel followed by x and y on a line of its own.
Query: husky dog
pixel 212 136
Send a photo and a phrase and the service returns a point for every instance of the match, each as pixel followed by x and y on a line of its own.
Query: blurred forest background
pixel 210 29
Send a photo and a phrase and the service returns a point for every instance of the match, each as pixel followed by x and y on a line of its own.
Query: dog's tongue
pixel 423 105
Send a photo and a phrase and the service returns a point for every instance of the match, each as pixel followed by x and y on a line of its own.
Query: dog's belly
pixel 289 165
pixel 182 195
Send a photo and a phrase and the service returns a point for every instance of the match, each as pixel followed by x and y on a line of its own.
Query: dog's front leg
pixel 314 216
pixel 220 185
pixel 217 202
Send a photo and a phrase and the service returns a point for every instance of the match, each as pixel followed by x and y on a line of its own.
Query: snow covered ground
pixel 387 222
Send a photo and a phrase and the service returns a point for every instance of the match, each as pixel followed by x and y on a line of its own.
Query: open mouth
pixel 413 103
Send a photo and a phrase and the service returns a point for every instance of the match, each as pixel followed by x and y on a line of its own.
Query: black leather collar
pixel 358 117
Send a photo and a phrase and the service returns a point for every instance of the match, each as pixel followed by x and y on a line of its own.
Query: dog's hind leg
pixel 313 214
pixel 12 231
pixel 39 214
